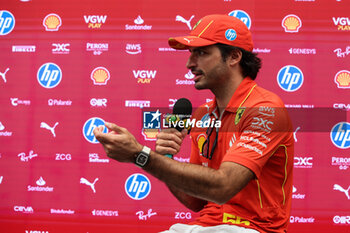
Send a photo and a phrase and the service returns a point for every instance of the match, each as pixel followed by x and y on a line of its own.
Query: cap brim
pixel 184 42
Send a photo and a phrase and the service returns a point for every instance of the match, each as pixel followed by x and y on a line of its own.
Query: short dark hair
pixel 250 63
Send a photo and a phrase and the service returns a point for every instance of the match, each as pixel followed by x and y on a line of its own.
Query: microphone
pixel 181 112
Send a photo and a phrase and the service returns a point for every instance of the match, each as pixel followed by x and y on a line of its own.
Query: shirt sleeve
pixel 262 131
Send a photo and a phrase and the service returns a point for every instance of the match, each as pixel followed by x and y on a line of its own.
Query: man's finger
pixel 114 127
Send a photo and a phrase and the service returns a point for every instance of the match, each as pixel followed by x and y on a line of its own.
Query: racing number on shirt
pixel 234 219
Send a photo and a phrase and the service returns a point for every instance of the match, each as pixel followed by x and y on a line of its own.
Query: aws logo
pixel 290 78
pixel 243 16
pixel 7 22
pixel 52 22
pixel 95 21
pixel 144 76
pixel 133 49
pixel 291 23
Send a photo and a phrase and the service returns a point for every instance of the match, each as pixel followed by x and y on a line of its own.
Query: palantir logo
pixel 89 127
pixel 49 75
pixel 290 78
pixel 340 135
pixel 243 16
pixel 7 22
pixel 137 186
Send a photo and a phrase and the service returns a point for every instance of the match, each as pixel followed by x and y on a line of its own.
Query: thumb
pixel 114 127
pixel 184 133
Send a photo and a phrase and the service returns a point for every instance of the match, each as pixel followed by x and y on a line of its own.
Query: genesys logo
pixel 290 78
pixel 300 219
pixel 133 49
pixel 137 186
pixel 49 75
pixel 303 162
pixel 342 162
pixel 243 16
pixel 97 48
pixel 7 22
pixel 340 135
pixel 144 76
pixel 23 48
pixel 52 22
pixel 302 51
pixel 340 53
pixel 105 213
pixel 58 48
pixel 16 102
pixel 188 79
pixel 342 79
pixel 138 25
pixel 89 127
pixel 23 209
pixel 100 76
pixel 102 102
pixel 342 23
pixel 95 21
pixel 40 186
pixel 341 220
pixel 291 23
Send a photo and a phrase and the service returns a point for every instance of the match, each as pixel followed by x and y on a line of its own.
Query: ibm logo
pixel 137 186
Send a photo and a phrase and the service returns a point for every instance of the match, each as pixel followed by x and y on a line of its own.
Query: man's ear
pixel 235 57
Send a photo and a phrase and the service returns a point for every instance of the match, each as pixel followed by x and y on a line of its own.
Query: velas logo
pixel 7 22
pixel 243 16
pixel 144 76
pixel 342 23
pixel 133 49
pixel 342 79
pixel 291 23
pixel 100 76
pixel 151 124
pixel 290 78
pixel 137 186
pixel 49 75
pixel 230 34
pixel 89 127
pixel 95 21
pixel 340 135
pixel 52 22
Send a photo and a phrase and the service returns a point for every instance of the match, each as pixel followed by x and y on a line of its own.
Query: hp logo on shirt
pixel 340 135
pixel 137 186
pixel 243 16
pixel 89 127
pixel 290 78
pixel 49 75
pixel 7 22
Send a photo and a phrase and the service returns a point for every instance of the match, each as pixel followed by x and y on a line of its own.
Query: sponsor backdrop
pixel 69 66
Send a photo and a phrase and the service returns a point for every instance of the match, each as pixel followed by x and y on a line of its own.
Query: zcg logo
pixel 290 78
pixel 7 22
pixel 243 16
pixel 89 127
pixel 340 135
pixel 137 186
pixel 49 75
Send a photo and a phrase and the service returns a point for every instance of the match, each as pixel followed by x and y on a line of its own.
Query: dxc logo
pixel 60 48
pixel 7 22
pixel 49 75
pixel 340 135
pixel 303 162
pixel 89 127
pixel 290 78
pixel 137 186
pixel 243 16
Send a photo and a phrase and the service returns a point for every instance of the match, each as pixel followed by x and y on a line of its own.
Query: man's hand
pixel 119 143
pixel 169 141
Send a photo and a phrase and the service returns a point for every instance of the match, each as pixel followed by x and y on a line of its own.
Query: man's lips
pixel 197 74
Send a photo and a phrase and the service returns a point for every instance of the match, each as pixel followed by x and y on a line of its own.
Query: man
pixel 240 174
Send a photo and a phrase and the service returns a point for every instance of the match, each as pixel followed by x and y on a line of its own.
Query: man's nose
pixel 191 62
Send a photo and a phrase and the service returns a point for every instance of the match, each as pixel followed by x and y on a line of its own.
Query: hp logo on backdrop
pixel 137 186
pixel 49 75
pixel 243 16
pixel 290 78
pixel 89 127
pixel 7 22
pixel 340 135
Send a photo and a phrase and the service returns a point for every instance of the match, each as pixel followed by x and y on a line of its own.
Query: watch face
pixel 141 159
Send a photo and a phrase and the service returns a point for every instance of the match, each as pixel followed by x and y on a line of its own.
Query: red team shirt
pixel 255 132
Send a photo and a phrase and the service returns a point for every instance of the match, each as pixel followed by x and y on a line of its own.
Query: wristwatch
pixel 142 157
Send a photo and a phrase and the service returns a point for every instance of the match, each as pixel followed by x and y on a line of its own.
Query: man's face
pixel 208 67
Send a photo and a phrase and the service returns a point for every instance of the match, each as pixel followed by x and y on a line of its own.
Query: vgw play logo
pixel 290 78
pixel 7 22
pixel 340 135
pixel 49 75
pixel 89 127
pixel 137 186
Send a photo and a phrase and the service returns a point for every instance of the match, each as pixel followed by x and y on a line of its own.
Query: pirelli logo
pixel 236 220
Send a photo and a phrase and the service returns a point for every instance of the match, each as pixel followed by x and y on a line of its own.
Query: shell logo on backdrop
pixel 291 23
pixel 243 16
pixel 342 79
pixel 100 76
pixel 52 22
pixel 7 22
pixel 290 78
